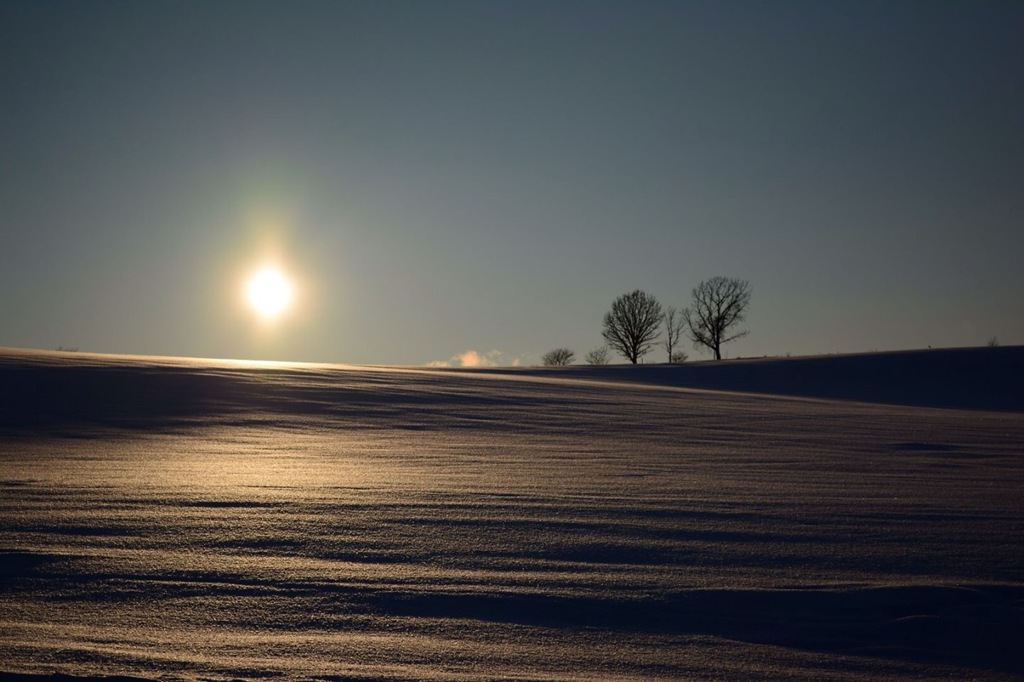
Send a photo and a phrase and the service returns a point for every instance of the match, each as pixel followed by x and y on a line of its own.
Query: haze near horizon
pixel 461 181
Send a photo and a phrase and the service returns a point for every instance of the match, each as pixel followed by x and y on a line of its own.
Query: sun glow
pixel 269 292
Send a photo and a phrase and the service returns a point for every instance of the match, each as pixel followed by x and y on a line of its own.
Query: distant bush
pixel 678 357
pixel 993 342
pixel 598 356
pixel 558 357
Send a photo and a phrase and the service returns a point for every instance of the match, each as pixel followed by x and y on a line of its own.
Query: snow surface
pixel 171 518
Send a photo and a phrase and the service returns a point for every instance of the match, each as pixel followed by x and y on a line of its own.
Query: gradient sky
pixel 443 177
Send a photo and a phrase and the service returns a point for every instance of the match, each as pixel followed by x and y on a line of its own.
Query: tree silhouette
pixel 674 326
pixel 718 304
pixel 598 356
pixel 631 326
pixel 558 357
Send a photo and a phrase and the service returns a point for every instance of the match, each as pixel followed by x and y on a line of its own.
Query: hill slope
pixel 200 519
pixel 962 378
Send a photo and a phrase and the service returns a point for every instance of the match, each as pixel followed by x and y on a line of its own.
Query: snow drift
pixel 193 519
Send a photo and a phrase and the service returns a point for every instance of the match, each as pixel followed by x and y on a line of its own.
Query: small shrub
pixel 558 357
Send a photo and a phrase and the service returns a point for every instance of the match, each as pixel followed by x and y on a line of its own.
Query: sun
pixel 269 292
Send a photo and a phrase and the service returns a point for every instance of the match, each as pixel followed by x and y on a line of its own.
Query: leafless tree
pixel 718 305
pixel 679 357
pixel 631 326
pixel 598 356
pixel 558 357
pixel 674 326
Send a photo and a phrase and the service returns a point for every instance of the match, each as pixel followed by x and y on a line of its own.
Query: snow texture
pixel 202 519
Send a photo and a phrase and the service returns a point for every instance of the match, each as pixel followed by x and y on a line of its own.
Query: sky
pixel 476 182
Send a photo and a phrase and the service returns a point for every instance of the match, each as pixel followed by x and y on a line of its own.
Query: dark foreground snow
pixel 204 519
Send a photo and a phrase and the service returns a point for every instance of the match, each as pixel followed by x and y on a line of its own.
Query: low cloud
pixel 473 358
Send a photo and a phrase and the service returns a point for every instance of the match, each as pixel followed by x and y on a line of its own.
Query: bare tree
pixel 718 304
pixel 558 357
pixel 674 326
pixel 679 357
pixel 631 326
pixel 598 356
